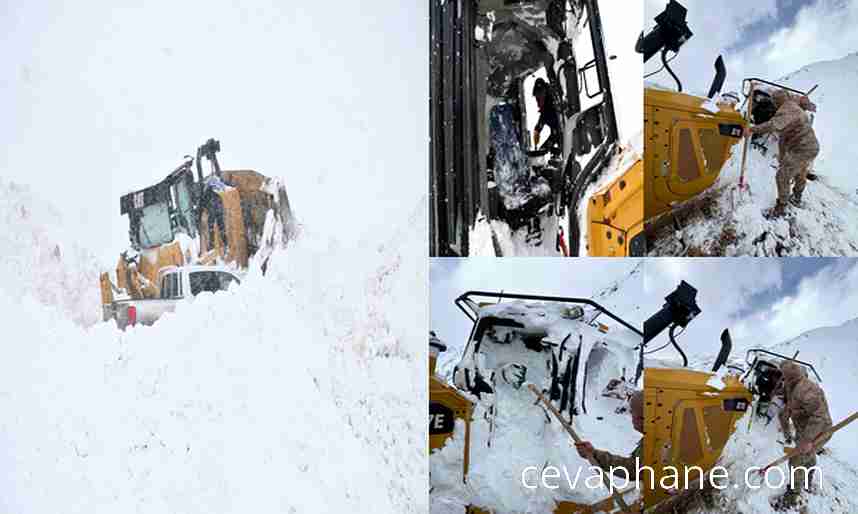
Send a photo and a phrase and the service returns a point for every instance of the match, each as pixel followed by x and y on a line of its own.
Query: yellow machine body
pixel 685 147
pixel 615 214
pixel 446 405
pixel 687 423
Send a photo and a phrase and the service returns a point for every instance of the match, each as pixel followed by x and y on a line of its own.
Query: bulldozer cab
pixel 485 58
pixel 557 343
pixel 157 213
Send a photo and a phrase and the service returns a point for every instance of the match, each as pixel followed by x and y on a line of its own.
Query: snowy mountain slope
pixel 731 222
pixel 294 392
pixel 831 351
pixel 41 258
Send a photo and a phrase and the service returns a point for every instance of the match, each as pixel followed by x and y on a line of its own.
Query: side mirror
pixel 720 76
pixel 726 348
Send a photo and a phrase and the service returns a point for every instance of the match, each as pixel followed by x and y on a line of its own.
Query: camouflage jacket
pixel 794 130
pixel 609 460
pixel 808 409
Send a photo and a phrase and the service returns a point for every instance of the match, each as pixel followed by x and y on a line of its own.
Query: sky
pixel 761 301
pixel 102 99
pixel 762 38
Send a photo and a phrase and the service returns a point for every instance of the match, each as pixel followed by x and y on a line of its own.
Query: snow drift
pixel 295 392
pixel 39 258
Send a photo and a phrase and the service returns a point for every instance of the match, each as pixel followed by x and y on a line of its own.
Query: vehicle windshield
pixel 211 281
pixel 154 227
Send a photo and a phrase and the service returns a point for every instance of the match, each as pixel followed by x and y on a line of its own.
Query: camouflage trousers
pixel 800 471
pixel 803 476
pixel 794 167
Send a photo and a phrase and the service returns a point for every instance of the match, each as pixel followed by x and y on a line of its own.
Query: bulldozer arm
pixel 688 424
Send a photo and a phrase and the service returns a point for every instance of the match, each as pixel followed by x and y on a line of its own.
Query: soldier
pixel 807 407
pixel 609 460
pixel 797 143
pixel 547 115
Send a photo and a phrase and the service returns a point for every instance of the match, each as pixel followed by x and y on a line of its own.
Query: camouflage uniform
pixel 796 141
pixel 807 407
pixel 608 460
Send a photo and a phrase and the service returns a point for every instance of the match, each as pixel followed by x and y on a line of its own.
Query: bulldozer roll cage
pixel 752 363
pixel 468 305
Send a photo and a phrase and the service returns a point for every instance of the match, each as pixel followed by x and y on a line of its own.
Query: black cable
pixel 675 345
pixel 665 345
pixel 667 67
pixel 656 72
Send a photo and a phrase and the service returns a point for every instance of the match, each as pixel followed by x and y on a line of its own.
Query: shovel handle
pixel 618 498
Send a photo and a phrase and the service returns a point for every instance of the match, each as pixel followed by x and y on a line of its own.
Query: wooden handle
pixel 816 442
pixel 618 498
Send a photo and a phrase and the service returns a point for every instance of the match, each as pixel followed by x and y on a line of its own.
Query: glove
pixel 514 374
pixel 535 138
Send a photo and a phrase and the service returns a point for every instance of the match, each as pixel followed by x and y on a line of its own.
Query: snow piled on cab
pixel 510 430
pixel 727 221
pixel 296 392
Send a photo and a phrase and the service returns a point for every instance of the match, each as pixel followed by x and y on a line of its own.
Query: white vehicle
pixel 174 284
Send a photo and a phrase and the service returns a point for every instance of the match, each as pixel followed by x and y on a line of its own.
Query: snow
pixel 521 434
pixel 299 391
pixel 728 221
pixel 486 233
pixel 716 381
pixel 42 260
pixel 755 443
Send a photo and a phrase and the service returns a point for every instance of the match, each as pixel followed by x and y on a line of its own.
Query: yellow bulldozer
pixel 690 415
pixel 226 216
pixel 687 140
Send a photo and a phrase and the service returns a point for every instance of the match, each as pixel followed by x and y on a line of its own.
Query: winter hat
pixel 779 96
pixel 792 373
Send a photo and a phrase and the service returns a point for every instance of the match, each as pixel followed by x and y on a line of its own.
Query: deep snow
pixel 299 391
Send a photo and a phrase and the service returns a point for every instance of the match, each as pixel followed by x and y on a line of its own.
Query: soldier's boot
pixel 787 501
pixel 778 211
pixel 795 199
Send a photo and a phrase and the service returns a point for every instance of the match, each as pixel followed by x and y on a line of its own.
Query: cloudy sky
pixel 103 98
pixel 761 301
pixel 762 38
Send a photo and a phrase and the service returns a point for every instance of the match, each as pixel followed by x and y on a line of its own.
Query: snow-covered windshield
pixel 154 227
